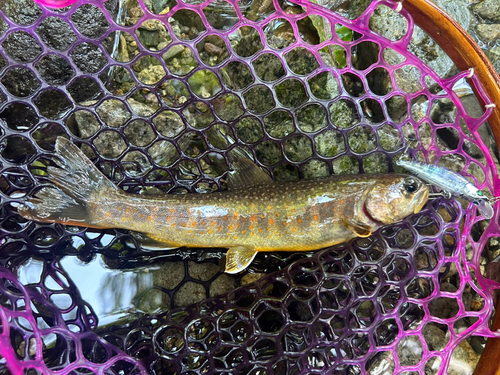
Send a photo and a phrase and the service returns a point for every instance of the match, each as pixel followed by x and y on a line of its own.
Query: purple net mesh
pixel 168 97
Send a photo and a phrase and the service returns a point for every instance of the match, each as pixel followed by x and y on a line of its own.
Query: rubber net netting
pixel 163 96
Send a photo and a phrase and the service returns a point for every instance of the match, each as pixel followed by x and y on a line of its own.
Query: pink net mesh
pixel 223 78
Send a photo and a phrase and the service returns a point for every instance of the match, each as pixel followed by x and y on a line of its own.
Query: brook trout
pixel 255 214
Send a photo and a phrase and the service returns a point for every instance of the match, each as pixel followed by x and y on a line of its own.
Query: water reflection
pixel 114 294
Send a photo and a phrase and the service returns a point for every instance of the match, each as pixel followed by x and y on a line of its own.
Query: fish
pixel 255 213
pixel 451 182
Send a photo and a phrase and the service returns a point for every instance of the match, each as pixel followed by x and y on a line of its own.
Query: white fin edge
pixel 238 258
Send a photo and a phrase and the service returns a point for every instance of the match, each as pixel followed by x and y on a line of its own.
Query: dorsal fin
pixel 245 173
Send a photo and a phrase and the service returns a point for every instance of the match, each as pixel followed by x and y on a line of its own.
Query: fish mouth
pixel 421 200
pixel 369 218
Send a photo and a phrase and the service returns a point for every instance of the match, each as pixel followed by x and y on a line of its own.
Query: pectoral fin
pixel 238 258
pixel 358 228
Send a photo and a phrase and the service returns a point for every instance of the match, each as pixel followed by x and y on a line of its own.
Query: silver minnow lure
pixel 451 182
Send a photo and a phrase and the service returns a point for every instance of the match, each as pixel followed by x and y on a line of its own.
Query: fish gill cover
pixel 163 96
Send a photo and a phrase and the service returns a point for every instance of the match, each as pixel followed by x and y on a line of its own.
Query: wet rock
pixel 169 124
pixel 463 360
pixel 173 52
pixel 390 24
pixel 286 172
pixel 56 33
pixel 279 124
pixel 139 133
pixel 251 277
pixel 21 46
pixel 383 364
pixel 298 148
pixel 151 75
pixel 247 45
pixel 408 79
pixel 180 59
pixel 53 103
pixel 376 163
pixel 345 165
pixel 22 12
pixel 249 130
pixel 4 26
pixel 435 337
pixel 203 272
pixel 189 293
pixel 342 115
pixel 113 113
pixel 314 169
pixel 259 9
pixel 21 82
pixel 212 50
pixel 410 351
pixel 268 152
pixel 223 284
pixel 477 303
pixel 87 124
pixel 90 21
pixel 426 49
pixel 54 69
pixel 488 33
pixel 494 56
pixel 362 140
pixel 354 8
pixel 268 67
pixel 488 10
pixel 443 307
pixel 157 6
pixel 389 138
pixel 473 108
pixel 110 144
pixel 140 108
pixel 88 57
pixel 153 35
pixel 170 275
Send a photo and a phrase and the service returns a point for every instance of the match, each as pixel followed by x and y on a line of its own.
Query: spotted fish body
pixel 261 215
pixel 284 216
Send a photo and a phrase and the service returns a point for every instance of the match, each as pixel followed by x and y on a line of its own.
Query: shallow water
pixel 113 294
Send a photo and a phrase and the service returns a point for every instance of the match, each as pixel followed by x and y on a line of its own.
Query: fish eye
pixel 410 184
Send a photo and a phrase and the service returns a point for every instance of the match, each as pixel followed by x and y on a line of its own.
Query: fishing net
pixel 163 96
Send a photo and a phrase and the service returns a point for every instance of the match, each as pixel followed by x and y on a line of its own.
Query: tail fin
pixel 77 180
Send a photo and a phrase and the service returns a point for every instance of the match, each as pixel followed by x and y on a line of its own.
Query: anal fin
pixel 238 258
pixel 151 243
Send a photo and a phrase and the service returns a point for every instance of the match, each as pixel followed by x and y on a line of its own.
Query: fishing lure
pixel 450 182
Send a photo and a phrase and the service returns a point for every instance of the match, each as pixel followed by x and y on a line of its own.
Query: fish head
pixel 393 198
